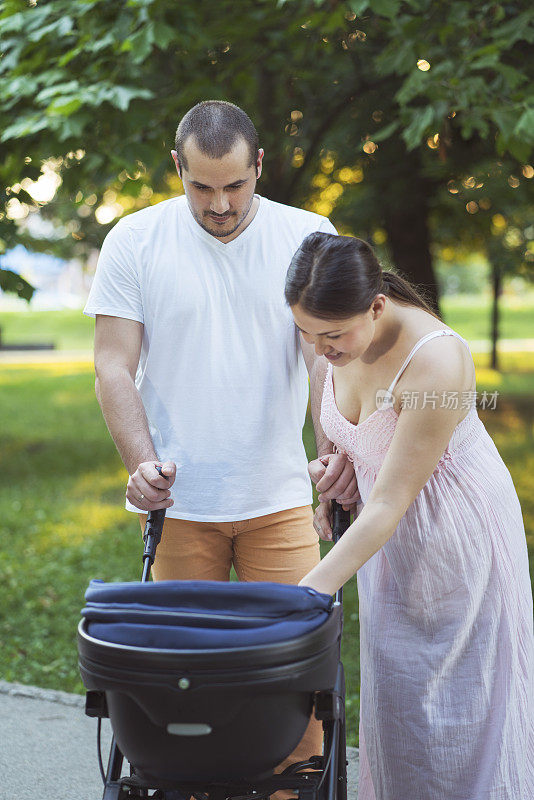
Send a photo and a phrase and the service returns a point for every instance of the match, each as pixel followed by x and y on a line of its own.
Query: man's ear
pixel 174 155
pixel 259 163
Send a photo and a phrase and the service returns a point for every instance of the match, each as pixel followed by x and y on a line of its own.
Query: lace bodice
pixel 367 443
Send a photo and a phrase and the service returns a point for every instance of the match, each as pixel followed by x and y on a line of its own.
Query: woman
pixel 447 646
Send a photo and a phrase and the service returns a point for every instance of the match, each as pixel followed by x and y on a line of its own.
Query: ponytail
pixel 401 290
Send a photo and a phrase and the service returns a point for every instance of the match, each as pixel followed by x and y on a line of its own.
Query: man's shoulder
pixel 293 216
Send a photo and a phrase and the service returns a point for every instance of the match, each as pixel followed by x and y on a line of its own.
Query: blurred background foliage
pixel 410 123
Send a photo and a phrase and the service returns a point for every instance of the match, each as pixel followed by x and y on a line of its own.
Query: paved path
pixel 503 346
pixel 45 356
pixel 48 747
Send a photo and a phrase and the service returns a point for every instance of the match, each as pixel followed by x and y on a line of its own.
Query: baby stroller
pixel 209 686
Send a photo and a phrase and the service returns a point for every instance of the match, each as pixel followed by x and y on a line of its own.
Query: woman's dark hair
pixel 335 277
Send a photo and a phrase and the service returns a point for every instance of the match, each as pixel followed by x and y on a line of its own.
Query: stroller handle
pixel 152 535
pixel 340 521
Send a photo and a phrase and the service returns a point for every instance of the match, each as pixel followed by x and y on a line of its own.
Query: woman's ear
pixel 378 305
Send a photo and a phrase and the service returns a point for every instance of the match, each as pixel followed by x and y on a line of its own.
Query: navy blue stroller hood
pixel 241 661
pixel 201 615
pixel 210 685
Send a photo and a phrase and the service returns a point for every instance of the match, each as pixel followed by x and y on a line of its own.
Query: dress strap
pixel 415 348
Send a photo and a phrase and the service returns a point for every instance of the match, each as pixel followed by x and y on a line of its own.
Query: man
pixel 200 368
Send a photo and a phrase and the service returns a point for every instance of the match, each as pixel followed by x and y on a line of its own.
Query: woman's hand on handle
pixel 147 489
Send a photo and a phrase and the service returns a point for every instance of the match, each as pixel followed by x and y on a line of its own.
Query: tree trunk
pixel 404 194
pixel 409 241
pixel 496 286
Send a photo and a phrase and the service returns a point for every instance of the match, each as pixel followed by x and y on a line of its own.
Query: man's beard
pixel 223 234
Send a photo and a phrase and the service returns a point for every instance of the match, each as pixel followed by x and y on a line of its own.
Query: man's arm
pixel 332 473
pixel 117 349
pixel 316 366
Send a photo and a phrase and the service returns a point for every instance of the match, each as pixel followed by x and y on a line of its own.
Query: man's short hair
pixel 216 126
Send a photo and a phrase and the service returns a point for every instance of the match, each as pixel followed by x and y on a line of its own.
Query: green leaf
pixel 386 8
pixel 13 23
pixel 501 144
pixel 419 127
pixel 524 130
pixel 520 150
pixel 69 55
pixel 359 6
pixel 513 77
pixel 19 86
pixel 25 126
pixel 142 42
pixel 412 87
pixel 64 105
pixel 67 88
pixel 164 34
pixel 499 14
pixel 385 133
pixel 121 96
pixel 11 282
pixel 505 121
pixel 72 127
pixel 59 28
pixel 490 60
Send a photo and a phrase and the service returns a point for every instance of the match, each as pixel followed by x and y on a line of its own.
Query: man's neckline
pixel 239 240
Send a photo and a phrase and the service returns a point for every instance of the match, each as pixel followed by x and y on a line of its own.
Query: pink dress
pixel 447 644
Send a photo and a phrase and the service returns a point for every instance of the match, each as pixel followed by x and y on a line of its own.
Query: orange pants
pixel 280 547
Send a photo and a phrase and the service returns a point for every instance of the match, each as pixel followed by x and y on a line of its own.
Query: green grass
pixel 515 378
pixel 467 314
pixel 470 316
pixel 62 520
pixel 66 329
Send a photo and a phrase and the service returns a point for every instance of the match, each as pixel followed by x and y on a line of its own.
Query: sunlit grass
pixel 66 329
pixel 470 315
pixel 62 518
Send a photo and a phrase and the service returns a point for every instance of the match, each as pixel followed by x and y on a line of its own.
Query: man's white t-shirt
pixel 221 373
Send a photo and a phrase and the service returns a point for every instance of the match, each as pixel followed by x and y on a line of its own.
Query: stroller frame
pixel 319 778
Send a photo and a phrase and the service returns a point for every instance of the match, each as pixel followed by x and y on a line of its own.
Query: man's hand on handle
pixel 334 477
pixel 147 490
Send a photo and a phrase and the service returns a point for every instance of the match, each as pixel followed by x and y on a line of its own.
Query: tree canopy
pixel 367 110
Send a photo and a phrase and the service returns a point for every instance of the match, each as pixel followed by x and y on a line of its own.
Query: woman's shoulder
pixel 443 361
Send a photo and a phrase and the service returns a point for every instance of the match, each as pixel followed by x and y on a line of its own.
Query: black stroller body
pixel 209 686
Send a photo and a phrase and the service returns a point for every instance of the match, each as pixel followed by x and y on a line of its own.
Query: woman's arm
pixel 420 438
